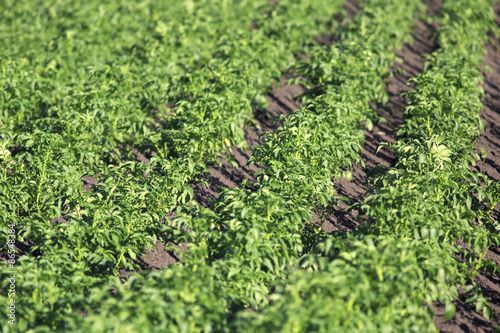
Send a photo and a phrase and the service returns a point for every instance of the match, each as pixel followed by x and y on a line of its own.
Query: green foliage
pixel 88 85
pixel 80 82
pixel 181 299
pixel 371 285
pixel 432 194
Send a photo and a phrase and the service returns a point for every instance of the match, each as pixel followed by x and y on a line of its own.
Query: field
pixel 250 166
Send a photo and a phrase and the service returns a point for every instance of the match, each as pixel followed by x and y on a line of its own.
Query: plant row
pixel 251 238
pixel 427 219
pixel 78 86
pixel 87 85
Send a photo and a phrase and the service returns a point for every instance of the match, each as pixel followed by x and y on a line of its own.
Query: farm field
pixel 250 166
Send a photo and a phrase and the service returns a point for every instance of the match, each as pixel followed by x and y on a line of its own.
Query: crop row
pixel 252 238
pixel 77 96
pixel 427 226
pixel 74 251
pixel 363 282
pixel 78 83
pixel 432 195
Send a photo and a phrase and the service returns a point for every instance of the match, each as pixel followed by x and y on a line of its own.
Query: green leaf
pixel 369 124
pixel 132 254
pixel 449 311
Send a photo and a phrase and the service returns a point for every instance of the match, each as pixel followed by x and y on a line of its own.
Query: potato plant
pixel 270 228
pixel 386 275
pixel 84 85
pixel 87 84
